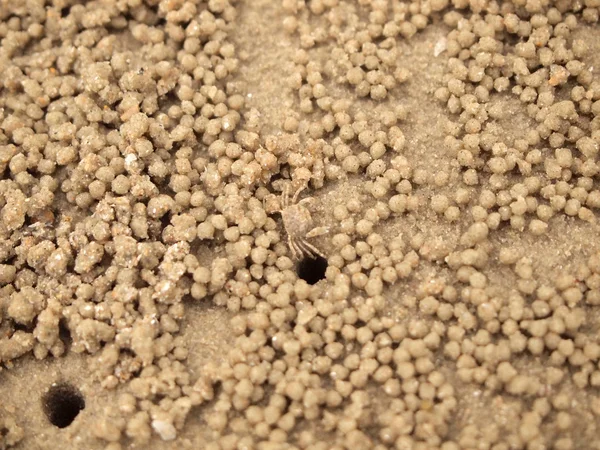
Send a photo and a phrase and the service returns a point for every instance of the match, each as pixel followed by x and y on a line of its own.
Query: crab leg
pixel 285 198
pixel 297 194
pixel 310 249
pixel 305 250
pixel 296 251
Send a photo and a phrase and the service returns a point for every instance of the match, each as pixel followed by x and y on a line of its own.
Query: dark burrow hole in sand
pixel 312 270
pixel 64 333
pixel 62 403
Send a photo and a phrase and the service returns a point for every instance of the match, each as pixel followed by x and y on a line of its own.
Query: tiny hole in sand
pixel 64 333
pixel 312 270
pixel 62 404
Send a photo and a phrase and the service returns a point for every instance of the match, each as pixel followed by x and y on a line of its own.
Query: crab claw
pixel 317 231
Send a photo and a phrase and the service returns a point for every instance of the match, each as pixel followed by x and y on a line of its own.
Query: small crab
pixel 297 222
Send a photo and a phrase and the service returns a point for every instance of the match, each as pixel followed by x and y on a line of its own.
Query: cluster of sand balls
pixel 137 181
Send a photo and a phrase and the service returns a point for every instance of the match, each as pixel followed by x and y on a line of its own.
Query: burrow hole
pixel 62 403
pixel 312 270
pixel 64 334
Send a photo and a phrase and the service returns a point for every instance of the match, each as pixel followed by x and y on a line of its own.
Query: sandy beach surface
pixel 299 224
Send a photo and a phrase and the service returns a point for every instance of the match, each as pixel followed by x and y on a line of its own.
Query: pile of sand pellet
pixel 318 225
